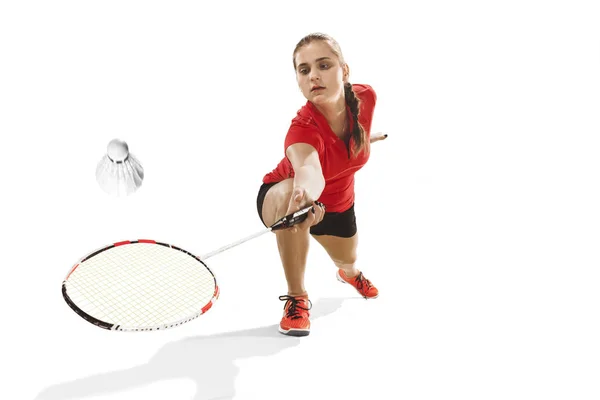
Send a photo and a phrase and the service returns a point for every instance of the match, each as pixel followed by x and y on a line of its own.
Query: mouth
pixel 315 88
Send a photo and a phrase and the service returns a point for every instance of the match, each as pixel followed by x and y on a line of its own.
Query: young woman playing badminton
pixel 327 142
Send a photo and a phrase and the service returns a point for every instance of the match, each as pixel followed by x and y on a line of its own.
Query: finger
pixel 321 205
pixel 310 219
pixel 305 224
pixel 319 212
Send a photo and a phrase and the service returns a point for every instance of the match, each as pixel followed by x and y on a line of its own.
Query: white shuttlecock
pixel 119 173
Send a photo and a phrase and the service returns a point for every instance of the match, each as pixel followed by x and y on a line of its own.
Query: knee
pixel 276 201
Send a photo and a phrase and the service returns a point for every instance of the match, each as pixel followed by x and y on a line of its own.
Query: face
pixel 319 73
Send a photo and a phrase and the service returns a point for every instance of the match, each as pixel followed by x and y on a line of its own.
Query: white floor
pixel 478 217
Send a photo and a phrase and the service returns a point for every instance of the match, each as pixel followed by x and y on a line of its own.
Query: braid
pixel 358 133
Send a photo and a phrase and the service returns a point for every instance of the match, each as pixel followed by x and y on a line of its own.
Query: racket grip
pixel 291 219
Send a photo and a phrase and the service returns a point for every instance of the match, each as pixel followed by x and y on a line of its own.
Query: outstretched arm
pixel 308 183
pixel 378 136
pixel 308 175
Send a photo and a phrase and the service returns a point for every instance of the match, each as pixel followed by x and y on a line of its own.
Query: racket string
pixel 142 285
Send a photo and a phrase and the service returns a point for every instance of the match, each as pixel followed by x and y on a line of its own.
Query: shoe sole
pixel 294 332
pixel 339 278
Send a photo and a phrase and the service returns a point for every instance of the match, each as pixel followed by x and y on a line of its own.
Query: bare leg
pixel 293 246
pixel 342 251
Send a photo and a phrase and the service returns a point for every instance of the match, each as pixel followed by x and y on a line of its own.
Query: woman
pixel 327 142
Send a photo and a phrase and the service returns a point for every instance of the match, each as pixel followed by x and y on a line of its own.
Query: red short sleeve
pixel 303 132
pixel 366 93
pixel 373 94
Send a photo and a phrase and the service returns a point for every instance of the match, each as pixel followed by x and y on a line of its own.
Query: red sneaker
pixel 360 283
pixel 295 320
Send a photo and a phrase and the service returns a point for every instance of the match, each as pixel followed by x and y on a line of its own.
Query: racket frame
pixel 119 327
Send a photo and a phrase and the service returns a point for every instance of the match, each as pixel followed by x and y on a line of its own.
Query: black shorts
pixel 341 224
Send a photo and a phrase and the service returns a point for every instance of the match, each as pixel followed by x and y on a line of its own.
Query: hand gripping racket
pixel 145 285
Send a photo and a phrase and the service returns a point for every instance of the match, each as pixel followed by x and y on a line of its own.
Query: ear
pixel 346 73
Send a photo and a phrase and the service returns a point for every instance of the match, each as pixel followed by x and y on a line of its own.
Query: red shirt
pixel 310 126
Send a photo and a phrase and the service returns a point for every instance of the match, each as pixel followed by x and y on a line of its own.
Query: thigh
pixel 273 201
pixel 260 198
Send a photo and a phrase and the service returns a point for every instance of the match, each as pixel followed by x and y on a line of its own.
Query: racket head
pixel 140 285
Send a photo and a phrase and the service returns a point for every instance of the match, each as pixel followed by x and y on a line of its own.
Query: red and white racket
pixel 145 285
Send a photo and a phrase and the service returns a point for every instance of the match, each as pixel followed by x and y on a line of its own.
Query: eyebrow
pixel 317 60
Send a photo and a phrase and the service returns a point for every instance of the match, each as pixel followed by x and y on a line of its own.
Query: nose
pixel 314 75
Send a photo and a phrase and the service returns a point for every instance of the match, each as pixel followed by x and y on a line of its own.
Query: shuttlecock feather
pixel 119 173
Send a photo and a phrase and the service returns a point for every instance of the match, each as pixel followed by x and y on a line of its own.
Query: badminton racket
pixel 146 285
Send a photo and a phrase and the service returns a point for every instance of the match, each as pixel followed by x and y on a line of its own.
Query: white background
pixel 478 216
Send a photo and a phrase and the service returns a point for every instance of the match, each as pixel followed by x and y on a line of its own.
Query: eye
pixel 325 66
pixel 303 71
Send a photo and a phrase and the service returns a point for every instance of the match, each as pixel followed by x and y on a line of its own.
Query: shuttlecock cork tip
pixel 117 150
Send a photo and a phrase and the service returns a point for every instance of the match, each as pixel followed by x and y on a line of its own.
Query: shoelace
pixel 361 281
pixel 292 311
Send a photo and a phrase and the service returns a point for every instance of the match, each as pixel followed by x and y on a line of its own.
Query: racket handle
pixel 291 219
